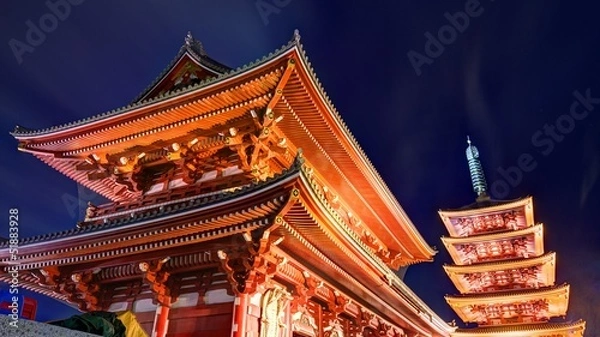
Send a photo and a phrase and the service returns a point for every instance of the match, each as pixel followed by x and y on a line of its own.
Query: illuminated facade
pixel 219 224
pixel 506 281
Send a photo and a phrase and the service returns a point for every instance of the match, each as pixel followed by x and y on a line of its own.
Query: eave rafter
pixel 353 224
pixel 282 83
pixel 362 176
pixel 149 229
pixel 156 272
pixel 200 230
pixel 255 143
pixel 254 263
pixel 176 112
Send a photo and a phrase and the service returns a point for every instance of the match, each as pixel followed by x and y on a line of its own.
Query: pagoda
pixel 240 205
pixel 505 279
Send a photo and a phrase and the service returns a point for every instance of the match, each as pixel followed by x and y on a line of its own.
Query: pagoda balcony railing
pixel 217 185
pixel 488 224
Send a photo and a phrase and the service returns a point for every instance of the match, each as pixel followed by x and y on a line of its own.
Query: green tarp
pixel 101 323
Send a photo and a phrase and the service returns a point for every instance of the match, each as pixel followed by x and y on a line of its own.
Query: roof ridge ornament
pixel 19 130
pixel 195 45
pixel 476 172
pixel 296 37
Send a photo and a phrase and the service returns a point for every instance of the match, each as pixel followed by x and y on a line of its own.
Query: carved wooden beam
pixel 337 303
pixel 79 288
pixel 257 141
pixel 303 322
pixel 257 146
pixel 333 327
pixel 282 82
pixel 48 277
pixel 385 329
pixel 367 319
pixel 392 258
pixel 156 278
pixel 86 289
pixel 250 266
pixel 303 292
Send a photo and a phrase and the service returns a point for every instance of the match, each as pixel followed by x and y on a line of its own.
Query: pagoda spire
pixel 476 171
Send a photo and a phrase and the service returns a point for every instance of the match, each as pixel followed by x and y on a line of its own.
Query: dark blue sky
pixel 507 79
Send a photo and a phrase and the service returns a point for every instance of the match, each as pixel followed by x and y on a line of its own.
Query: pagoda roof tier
pixel 569 329
pixel 509 307
pixel 282 85
pixel 527 242
pixel 489 216
pixel 228 207
pixel 203 217
pixel 507 274
pixel 291 207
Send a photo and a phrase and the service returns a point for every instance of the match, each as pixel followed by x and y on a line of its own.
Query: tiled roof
pixel 20 131
pixel 502 263
pixel 506 294
pixel 372 182
pixel 159 211
pixel 522 327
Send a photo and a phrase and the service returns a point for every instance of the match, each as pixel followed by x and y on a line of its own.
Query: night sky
pixel 508 78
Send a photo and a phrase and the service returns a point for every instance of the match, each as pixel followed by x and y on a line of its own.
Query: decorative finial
pixel 194 44
pixel 476 171
pixel 189 38
pixel 20 129
pixel 296 36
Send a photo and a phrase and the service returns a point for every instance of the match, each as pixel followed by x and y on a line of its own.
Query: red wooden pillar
pixel 161 321
pixel 238 328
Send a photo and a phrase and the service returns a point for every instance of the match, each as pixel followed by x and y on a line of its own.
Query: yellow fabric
pixel 134 329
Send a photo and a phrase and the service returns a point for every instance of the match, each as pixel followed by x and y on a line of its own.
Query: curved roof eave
pixel 372 175
pixel 22 133
pixel 293 46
